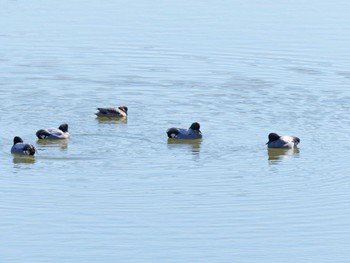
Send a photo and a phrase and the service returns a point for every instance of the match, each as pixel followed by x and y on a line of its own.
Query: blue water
pixel 118 191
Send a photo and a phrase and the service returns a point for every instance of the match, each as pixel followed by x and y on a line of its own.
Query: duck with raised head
pixel 120 112
pixel 191 133
pixel 59 133
pixel 19 147
pixel 286 141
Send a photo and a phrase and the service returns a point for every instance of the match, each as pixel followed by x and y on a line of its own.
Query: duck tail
pixel 30 149
pixel 42 134
pixel 172 132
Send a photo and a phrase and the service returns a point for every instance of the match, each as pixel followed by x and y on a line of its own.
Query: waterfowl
pixel 54 133
pixel 276 141
pixel 121 111
pixel 191 133
pixel 19 147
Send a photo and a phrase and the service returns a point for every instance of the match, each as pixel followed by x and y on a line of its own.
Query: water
pixel 118 191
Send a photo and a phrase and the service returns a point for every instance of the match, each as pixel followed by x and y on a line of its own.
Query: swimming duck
pixel 121 111
pixel 19 147
pixel 59 133
pixel 276 141
pixel 191 133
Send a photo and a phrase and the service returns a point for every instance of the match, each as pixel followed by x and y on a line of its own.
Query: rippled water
pixel 118 191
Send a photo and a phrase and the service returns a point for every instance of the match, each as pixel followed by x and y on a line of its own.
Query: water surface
pixel 118 191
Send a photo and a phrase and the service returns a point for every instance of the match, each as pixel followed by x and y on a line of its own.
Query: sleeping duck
pixel 121 111
pixel 276 141
pixel 191 133
pixel 59 133
pixel 19 147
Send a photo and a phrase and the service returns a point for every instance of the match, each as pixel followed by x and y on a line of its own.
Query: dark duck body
pixel 286 141
pixel 54 133
pixel 19 147
pixel 191 133
pixel 109 112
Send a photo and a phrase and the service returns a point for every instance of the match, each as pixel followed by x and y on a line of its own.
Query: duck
pixel 59 133
pixel 19 147
pixel 121 112
pixel 191 133
pixel 286 141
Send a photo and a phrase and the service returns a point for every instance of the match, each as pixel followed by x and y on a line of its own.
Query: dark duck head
pixel 17 139
pixel 63 127
pixel 273 137
pixel 195 126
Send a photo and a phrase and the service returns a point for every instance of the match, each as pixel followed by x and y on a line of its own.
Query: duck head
pixel 17 139
pixel 273 137
pixel 123 108
pixel 195 126
pixel 63 127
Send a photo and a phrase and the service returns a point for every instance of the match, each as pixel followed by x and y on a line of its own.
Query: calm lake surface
pixel 118 191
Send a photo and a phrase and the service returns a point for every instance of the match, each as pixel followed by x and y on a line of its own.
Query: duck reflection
pixel 193 145
pixel 63 144
pixel 18 159
pixel 114 120
pixel 280 154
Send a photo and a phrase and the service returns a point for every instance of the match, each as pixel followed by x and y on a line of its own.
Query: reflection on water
pixel 62 144
pixel 115 120
pixel 17 159
pixel 193 145
pixel 279 154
